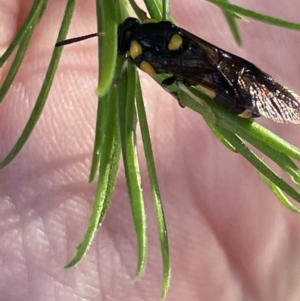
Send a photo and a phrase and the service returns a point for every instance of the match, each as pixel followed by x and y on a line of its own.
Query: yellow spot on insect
pixel 175 42
pixel 147 67
pixel 135 49
pixel 206 91
pixel 246 114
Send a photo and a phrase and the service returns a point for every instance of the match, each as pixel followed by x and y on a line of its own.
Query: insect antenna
pixel 77 39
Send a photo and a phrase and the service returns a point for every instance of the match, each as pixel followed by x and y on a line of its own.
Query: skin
pixel 230 239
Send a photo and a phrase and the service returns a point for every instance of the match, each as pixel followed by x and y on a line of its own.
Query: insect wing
pixel 235 83
pixel 271 99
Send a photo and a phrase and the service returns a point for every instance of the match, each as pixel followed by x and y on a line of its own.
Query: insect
pixel 235 83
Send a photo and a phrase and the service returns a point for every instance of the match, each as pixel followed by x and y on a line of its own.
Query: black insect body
pixel 241 87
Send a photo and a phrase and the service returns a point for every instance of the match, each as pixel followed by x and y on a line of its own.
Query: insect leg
pixel 169 82
pixel 182 86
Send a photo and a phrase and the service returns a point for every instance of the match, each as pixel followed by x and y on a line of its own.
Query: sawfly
pixel 238 85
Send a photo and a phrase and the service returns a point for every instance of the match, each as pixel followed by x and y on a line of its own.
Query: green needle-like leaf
pixel 162 228
pixel 154 8
pixel 280 195
pixel 107 20
pixel 231 20
pixel 110 154
pixel 256 16
pixel 231 127
pixel 126 95
pixel 220 136
pixel 41 100
pixel 33 17
pixel 18 59
pixel 259 164
pixel 98 138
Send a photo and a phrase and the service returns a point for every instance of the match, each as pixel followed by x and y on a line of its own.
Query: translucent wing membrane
pixel 280 105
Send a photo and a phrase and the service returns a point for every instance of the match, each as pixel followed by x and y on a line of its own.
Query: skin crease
pixel 230 239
